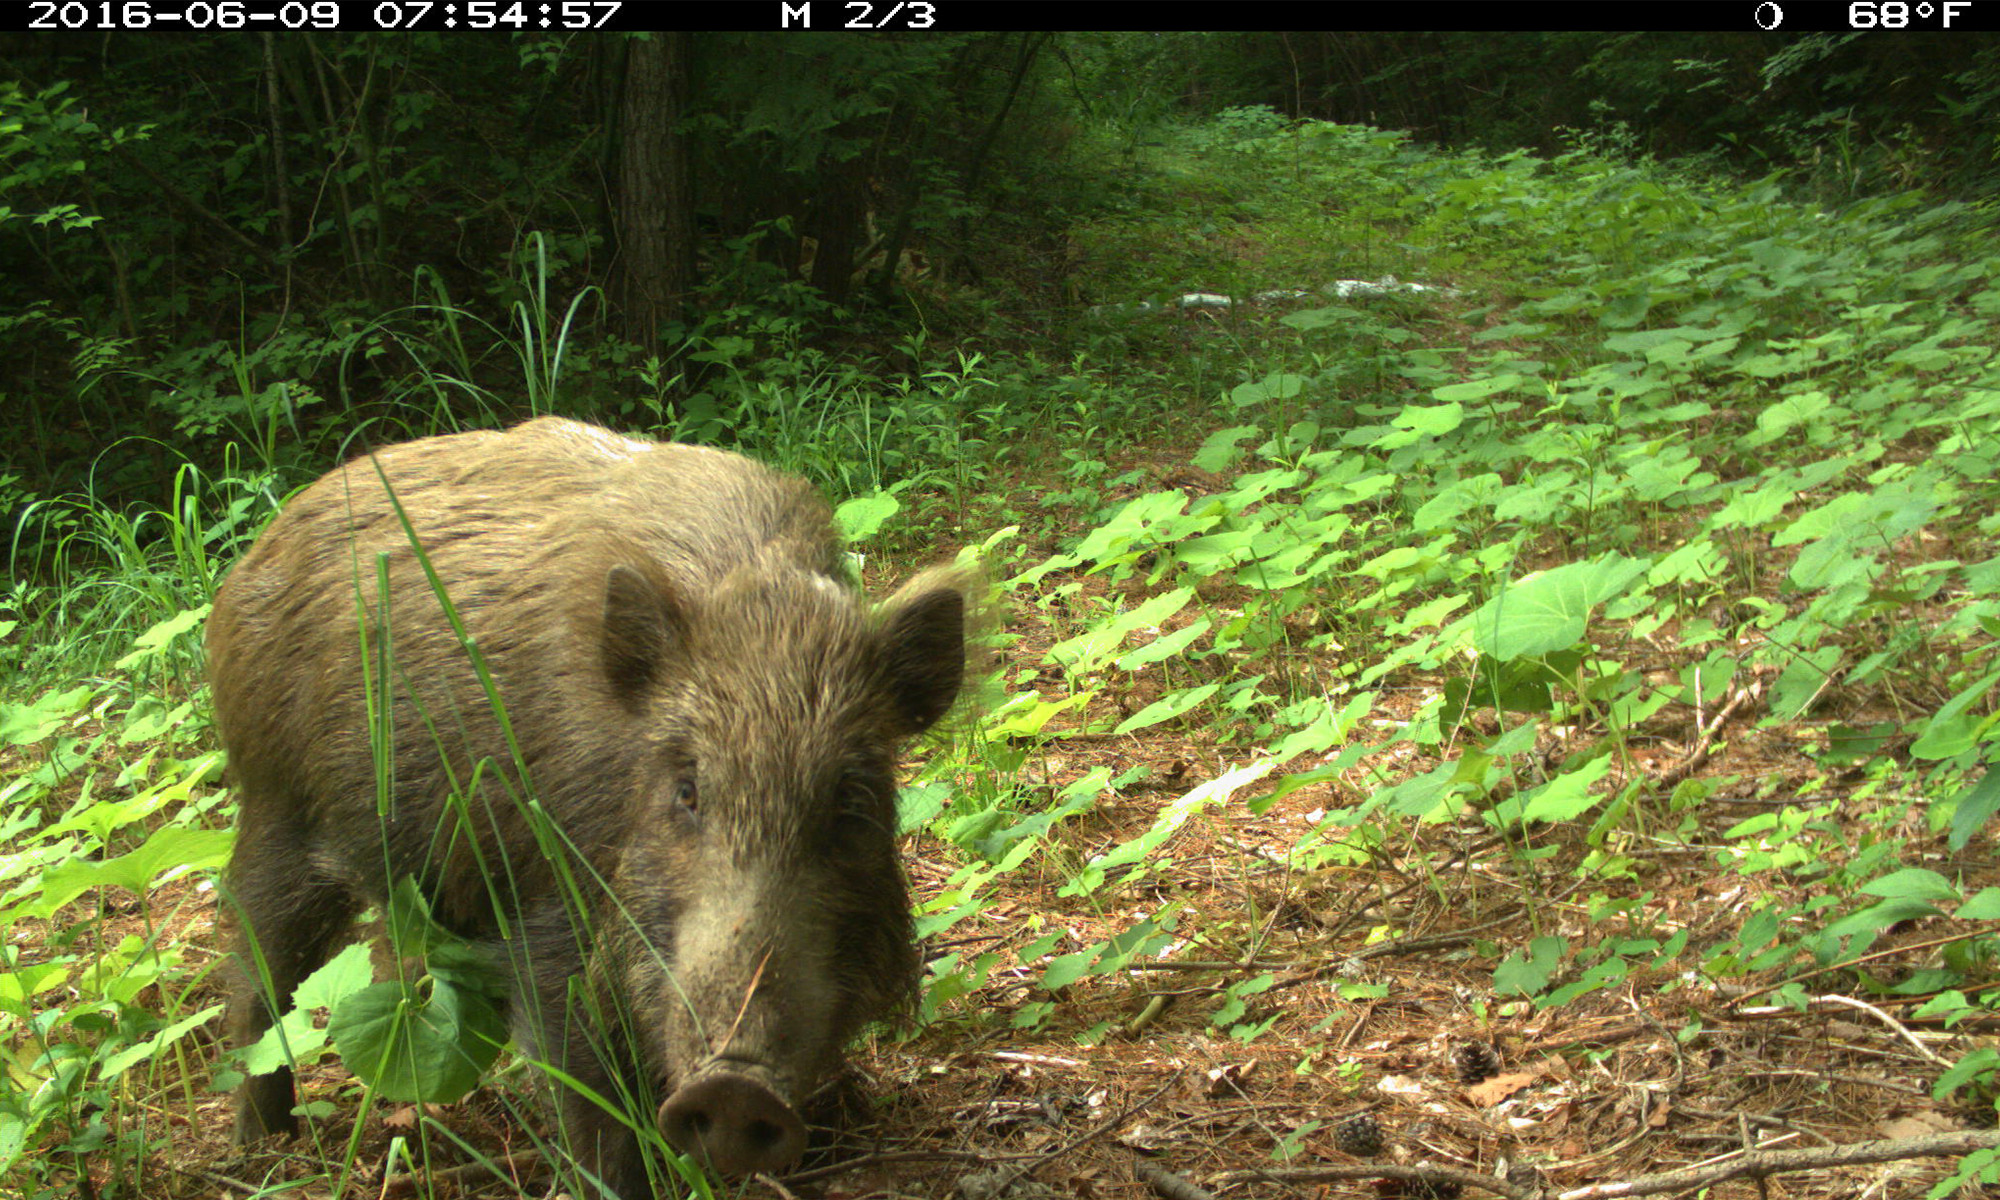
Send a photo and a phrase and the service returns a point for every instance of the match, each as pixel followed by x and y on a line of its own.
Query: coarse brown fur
pixel 697 700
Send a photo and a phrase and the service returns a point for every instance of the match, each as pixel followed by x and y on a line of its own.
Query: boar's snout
pixel 734 1122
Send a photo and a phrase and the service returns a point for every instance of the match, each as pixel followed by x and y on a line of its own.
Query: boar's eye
pixel 686 798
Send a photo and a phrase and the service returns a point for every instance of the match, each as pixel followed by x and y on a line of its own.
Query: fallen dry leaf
pixel 1498 1088
pixel 1918 1124
pixel 1149 1138
pixel 1227 1081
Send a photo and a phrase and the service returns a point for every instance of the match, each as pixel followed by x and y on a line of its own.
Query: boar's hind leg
pixel 291 915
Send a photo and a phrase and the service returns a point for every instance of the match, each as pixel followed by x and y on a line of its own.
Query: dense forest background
pixel 249 239
pixel 1497 650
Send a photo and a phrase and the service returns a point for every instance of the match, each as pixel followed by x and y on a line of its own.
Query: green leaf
pixel 1984 906
pixel 1147 520
pixel 1422 796
pixel 859 518
pixel 1434 420
pixel 1792 412
pixel 1802 681
pixel 1220 451
pixel 295 1038
pixel 156 639
pixel 1952 731
pixel 20 986
pixel 26 724
pixel 412 1048
pixel 1166 708
pixel 1166 646
pixel 1087 651
pixel 171 848
pixel 1878 917
pixel 1068 968
pixel 1914 883
pixel 343 975
pixel 1976 806
pixel 1521 686
pixel 1271 387
pixel 918 805
pixel 1565 797
pixel 1327 728
pixel 117 1064
pixel 1475 389
pixel 1547 612
pixel 1527 974
pixel 1026 714
pixel 1984 1060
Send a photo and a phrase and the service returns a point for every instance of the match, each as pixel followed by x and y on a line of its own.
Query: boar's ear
pixel 641 627
pixel 925 638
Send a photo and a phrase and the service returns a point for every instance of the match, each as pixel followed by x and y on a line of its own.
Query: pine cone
pixel 1474 1061
pixel 1359 1135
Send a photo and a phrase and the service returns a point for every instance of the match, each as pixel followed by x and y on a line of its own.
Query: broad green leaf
pixel 1563 798
pixel 1066 969
pixel 1527 974
pixel 26 724
pixel 1271 387
pixel 410 1047
pixel 1453 394
pixel 1166 708
pixel 1984 906
pixel 859 518
pixel 1027 714
pixel 1697 561
pixel 170 848
pixel 916 806
pixel 150 643
pixel 1163 647
pixel 1220 450
pixel 1547 612
pixel 1151 519
pixel 1753 509
pixel 1443 510
pixel 1952 729
pixel 20 986
pixel 1087 651
pixel 1976 806
pixel 1912 882
pixel 295 1038
pixel 1792 412
pixel 1422 796
pixel 1878 917
pixel 343 975
pixel 117 1064
pixel 1803 679
pixel 1327 729
pixel 1433 419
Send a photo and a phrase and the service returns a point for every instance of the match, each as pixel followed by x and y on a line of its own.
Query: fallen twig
pixel 1167 1185
pixel 1759 1164
pixel 1754 1164
pixel 900 1156
pixel 1705 736
pixel 1491 1183
pixel 1886 1019
pixel 509 1168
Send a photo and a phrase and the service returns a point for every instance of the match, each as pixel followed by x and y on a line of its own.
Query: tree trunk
pixel 838 213
pixel 654 219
